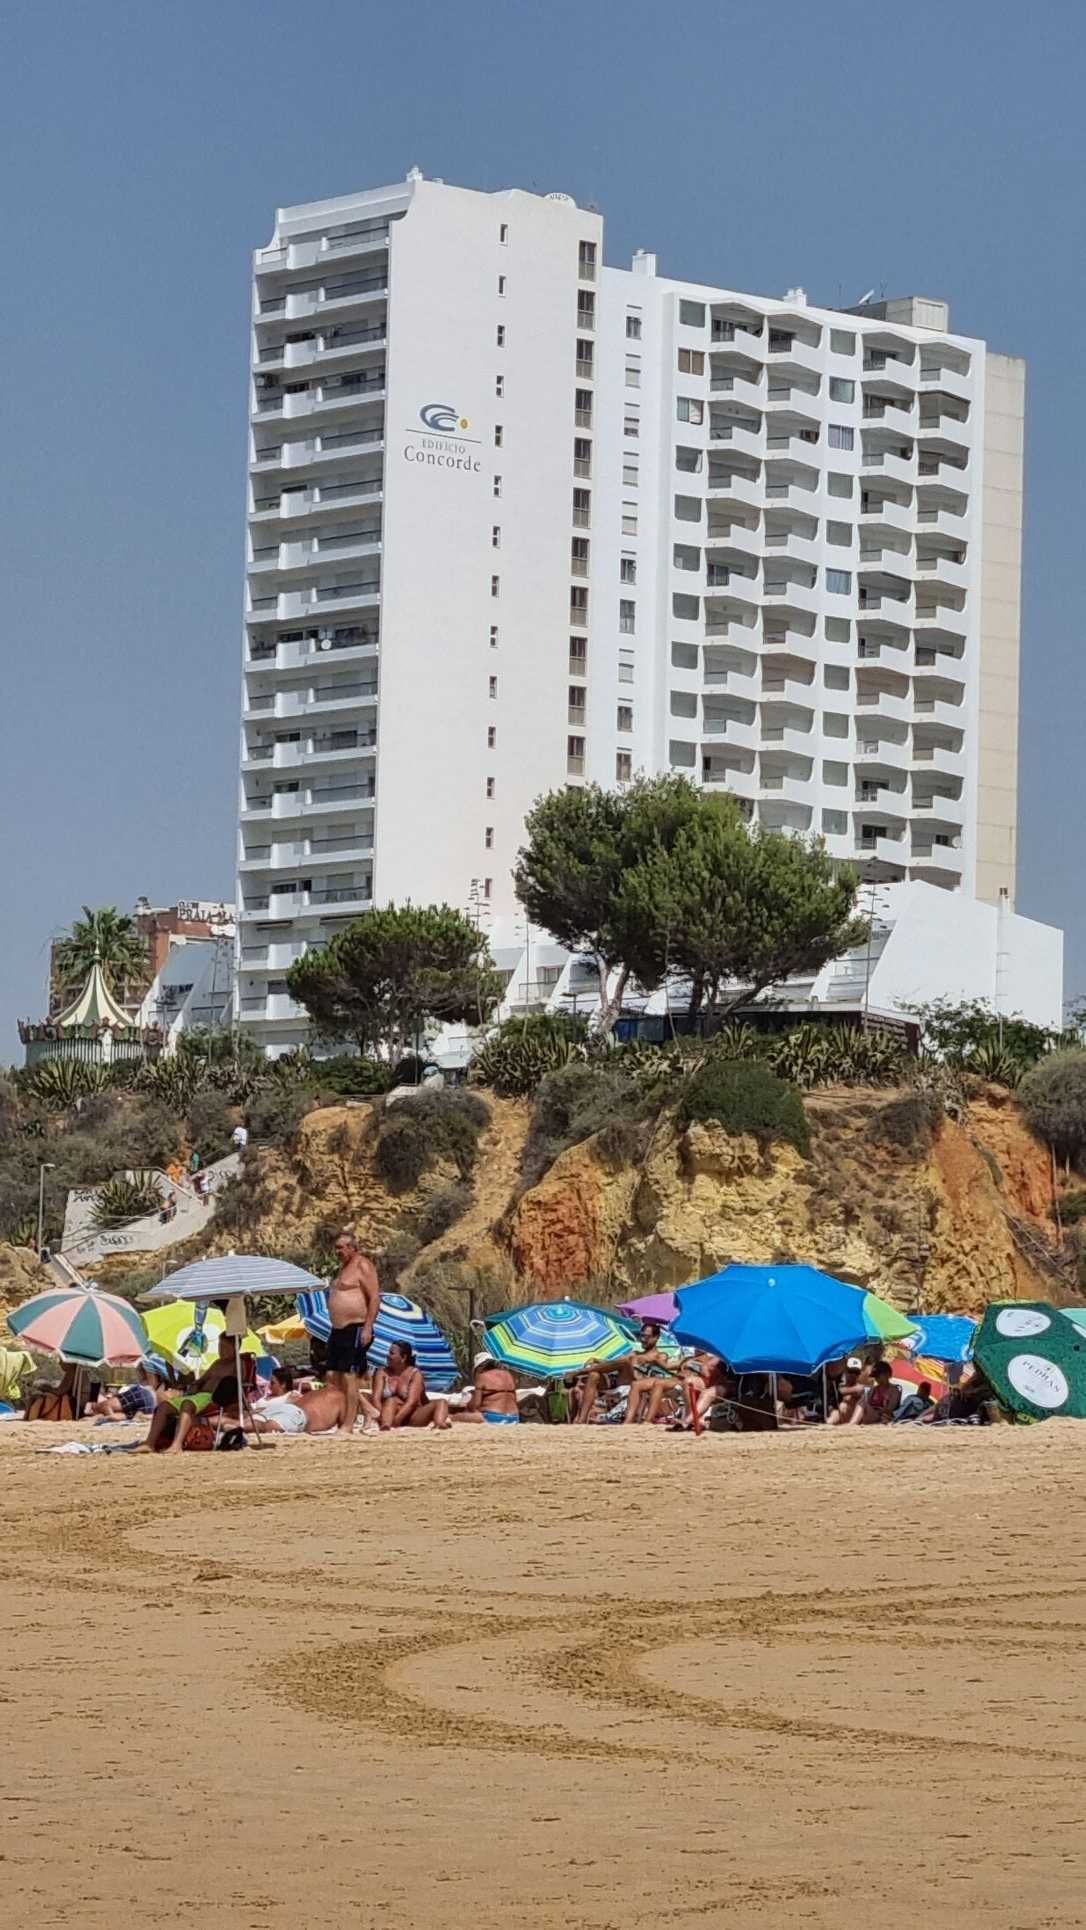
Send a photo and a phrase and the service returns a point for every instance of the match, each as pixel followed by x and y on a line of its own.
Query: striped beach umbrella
pixel 398 1319
pixel 82 1326
pixel 230 1275
pixel 557 1337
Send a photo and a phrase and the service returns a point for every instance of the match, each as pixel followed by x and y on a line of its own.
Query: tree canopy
pixel 381 979
pixel 109 935
pixel 1053 1098
pixel 666 881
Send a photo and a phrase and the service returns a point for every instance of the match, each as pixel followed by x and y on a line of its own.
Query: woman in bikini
pixel 399 1393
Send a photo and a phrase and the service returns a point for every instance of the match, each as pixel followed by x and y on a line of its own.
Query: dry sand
pixel 556 1678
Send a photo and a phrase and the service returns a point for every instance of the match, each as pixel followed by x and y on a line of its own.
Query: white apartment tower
pixel 518 519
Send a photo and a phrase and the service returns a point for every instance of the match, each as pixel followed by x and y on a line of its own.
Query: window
pixel 499 385
pixel 835 677
pixel 578 655
pixel 691 361
pixel 684 656
pixel 686 608
pixel 625 717
pixel 688 509
pixel 586 260
pixel 575 755
pixel 500 338
pixel 688 459
pixel 623 767
pixel 498 435
pixel 692 314
pixel 625 669
pixel 575 696
pixel 491 737
pixel 842 341
pixel 838 484
pixel 685 557
pixel 841 389
pixel 629 519
pixel 578 604
pixel 493 636
pixel 836 774
pixel 501 284
pixel 495 586
pixel 497 485
pixel 688 408
pixel 631 423
pixel 578 555
pixel 630 474
pixel 834 823
pixel 488 837
pixel 839 582
pixel 584 356
pixel 586 309
pixel 627 569
pixel 838 630
pixel 840 437
pixel 582 408
pixel 626 614
pixel 683 703
pixel 839 533
pixel 633 328
pixel 503 233
pixel 633 375
pixel 582 456
pixel 493 686
pixel 487 884
pixel 490 787
pixel 496 537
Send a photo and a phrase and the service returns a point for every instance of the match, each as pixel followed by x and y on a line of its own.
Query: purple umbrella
pixel 662 1307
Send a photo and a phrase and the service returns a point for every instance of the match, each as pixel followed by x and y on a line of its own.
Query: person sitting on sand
pixel 399 1393
pixel 493 1395
pixel 916 1406
pixel 646 1363
pixel 851 1393
pixel 217 1389
pixel 883 1399
pixel 128 1403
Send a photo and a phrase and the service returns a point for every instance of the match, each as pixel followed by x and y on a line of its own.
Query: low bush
pixel 401 1249
pixel 403 1152
pixel 124 1198
pixel 211 1121
pixel 744 1096
pixel 276 1112
pixel 1053 1098
pixel 524 1051
pixel 350 1078
pixel 1072 1208
pixel 577 1101
pixel 442 1210
pixel 912 1121
pixel 440 1123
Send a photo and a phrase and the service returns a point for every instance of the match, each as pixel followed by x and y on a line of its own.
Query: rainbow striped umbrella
pixel 82 1326
pixel 557 1337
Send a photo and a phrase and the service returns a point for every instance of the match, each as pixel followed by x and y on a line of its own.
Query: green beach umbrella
pixel 883 1322
pixel 1034 1358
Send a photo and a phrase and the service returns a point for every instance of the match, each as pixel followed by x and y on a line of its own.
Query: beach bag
pixel 200 1438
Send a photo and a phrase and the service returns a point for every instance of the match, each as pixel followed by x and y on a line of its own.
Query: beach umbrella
pixel 398 1319
pixel 82 1326
pixel 1034 1359
pixel 911 1374
pixel 780 1319
pixel 187 1335
pixel 557 1337
pixel 280 1332
pixel 652 1306
pixel 233 1275
pixel 943 1336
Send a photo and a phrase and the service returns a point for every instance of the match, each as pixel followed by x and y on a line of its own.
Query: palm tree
pixel 108 935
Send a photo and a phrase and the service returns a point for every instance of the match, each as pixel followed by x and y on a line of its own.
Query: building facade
pixel 518 519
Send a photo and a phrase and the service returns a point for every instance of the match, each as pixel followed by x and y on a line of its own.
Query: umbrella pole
pixel 243 1405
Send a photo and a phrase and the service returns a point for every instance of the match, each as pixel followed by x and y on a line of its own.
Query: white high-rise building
pixel 519 520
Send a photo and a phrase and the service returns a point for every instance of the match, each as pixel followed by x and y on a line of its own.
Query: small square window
pixel 501 284
pixel 685 557
pixel 840 437
pixel 688 509
pixel 842 341
pixel 686 608
pixel 578 655
pixel 490 787
pixel 500 337
pixel 834 823
pixel 835 774
pixel 493 636
pixel 625 717
pixel 586 255
pixel 839 582
pixel 627 611
pixel 835 676
pixel 631 423
pixel 498 435
pixel 493 686
pixel 503 233
pixel 630 474
pixel 691 361
pixel 834 723
pixel 495 586
pixel 629 519
pixel 496 537
pixel 688 460
pixel 689 408
pixel 633 328
pixel 497 485
pixel 491 737
pixel 633 375
pixel 838 484
pixel 488 837
pixel 842 389
pixel 692 314
pixel 623 767
pixel 499 385
pixel 838 630
pixel 625 670
pixel 627 569
pixel 839 534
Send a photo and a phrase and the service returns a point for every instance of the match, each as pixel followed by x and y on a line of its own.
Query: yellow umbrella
pixel 188 1342
pixel 283 1330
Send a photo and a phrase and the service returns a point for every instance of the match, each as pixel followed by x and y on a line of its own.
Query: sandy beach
pixel 560 1677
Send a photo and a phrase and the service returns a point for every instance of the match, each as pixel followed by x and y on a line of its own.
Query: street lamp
pixel 46 1167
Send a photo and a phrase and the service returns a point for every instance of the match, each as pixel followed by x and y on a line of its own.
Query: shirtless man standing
pixel 353 1300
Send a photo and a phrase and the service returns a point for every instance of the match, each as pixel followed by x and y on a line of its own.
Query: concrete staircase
pixel 83 1243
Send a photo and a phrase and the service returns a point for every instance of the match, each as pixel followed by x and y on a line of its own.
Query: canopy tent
pixel 95 1004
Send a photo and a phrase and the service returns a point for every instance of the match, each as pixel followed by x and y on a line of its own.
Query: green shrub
pixel 911 1121
pixel 524 1051
pixel 403 1152
pixel 349 1077
pixel 581 1099
pixel 744 1096
pixel 60 1082
pixel 1072 1208
pixel 401 1249
pixel 211 1121
pixel 126 1197
pixel 1053 1098
pixel 440 1123
pixel 441 1211
pixel 276 1112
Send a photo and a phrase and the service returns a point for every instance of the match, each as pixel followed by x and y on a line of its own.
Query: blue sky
pixel 931 148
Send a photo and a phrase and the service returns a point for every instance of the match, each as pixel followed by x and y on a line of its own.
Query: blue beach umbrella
pixel 943 1336
pixel 776 1319
pixel 398 1319
pixel 557 1337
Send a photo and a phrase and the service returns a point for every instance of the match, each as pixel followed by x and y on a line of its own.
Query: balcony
pixel 937 861
pixel 896 461
pixel 738 777
pixel 736 485
pixel 929 759
pixel 740 434
pixel 890 850
pixel 932 812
